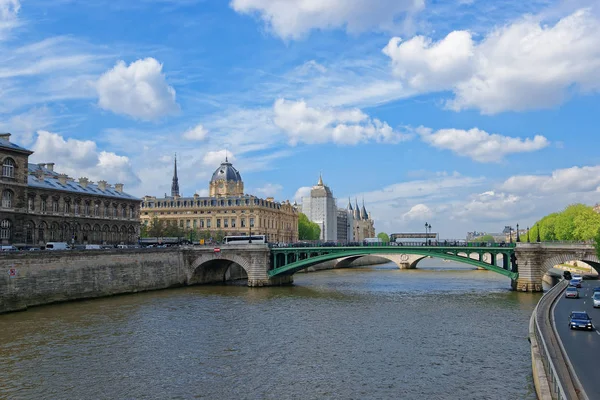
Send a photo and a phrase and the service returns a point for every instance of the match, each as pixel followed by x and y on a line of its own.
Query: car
pixel 596 299
pixel 580 320
pixel 572 293
pixel 575 283
pixel 577 276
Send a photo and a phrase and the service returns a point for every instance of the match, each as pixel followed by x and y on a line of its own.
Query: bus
pixel 413 239
pixel 244 239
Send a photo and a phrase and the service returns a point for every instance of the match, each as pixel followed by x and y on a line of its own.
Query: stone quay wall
pixel 35 278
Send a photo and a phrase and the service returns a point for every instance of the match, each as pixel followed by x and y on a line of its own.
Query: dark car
pixel 597 289
pixel 580 320
pixel 572 292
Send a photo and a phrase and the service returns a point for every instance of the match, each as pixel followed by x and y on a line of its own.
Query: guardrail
pixel 559 381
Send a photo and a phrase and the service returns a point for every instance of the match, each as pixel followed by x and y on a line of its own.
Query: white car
pixel 596 299
pixel 577 277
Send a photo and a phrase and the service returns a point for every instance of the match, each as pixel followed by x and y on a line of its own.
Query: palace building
pixel 226 209
pixel 40 205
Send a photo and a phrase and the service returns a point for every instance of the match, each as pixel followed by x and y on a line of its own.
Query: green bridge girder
pixel 289 260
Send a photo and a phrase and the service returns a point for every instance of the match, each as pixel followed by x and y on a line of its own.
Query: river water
pixel 438 332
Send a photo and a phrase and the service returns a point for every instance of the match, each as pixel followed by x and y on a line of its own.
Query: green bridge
pixel 500 259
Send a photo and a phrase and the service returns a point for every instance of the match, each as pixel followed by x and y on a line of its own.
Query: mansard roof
pixel 6 144
pixel 217 199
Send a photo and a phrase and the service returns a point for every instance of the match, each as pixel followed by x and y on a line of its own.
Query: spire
pixel 349 205
pixel 226 160
pixel 320 180
pixel 363 212
pixel 175 184
pixel 356 209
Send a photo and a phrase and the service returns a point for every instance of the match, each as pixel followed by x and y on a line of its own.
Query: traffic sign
pixel 217 250
pixel 12 272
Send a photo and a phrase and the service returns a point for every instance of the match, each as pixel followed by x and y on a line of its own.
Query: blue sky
pixel 469 115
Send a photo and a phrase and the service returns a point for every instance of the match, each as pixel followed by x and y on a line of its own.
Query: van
pixel 93 247
pixel 122 246
pixel 8 248
pixel 57 246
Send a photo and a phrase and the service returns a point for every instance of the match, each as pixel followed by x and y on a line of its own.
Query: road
pixel 582 347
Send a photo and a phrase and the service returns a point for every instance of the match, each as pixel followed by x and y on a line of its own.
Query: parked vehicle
pixel 244 239
pixel 93 247
pixel 596 299
pixel 8 248
pixel 572 293
pixel 580 320
pixel 57 246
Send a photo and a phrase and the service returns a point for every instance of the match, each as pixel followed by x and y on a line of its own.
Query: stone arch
pixel 403 261
pixel 562 258
pixel 215 266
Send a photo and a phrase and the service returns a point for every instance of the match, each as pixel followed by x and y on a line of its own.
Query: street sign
pixel 217 250
pixel 12 272
pixel 201 241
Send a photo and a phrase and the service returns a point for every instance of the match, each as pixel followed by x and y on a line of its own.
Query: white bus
pixel 244 239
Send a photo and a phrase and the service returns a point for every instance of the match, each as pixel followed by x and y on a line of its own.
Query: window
pixel 124 211
pixel 243 222
pixel 30 204
pixel 218 222
pixel 76 208
pixel 115 211
pixel 43 205
pixel 96 210
pixel 106 214
pixel 233 222
pixel 201 223
pixel 8 168
pixel 208 223
pixel 67 207
pixel 251 222
pixel 5 229
pixel 87 208
pixel 194 223
pixel 130 212
pixel 181 224
pixel 225 223
pixel 7 198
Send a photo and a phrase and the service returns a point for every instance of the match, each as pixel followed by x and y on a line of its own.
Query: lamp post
pixel 528 235
pixel 427 231
pixel 539 239
pixel 510 229
pixel 518 237
pixel 250 225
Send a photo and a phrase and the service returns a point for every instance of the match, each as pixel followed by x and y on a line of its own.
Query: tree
pixel 575 222
pixel 597 243
pixel 157 228
pixel 485 239
pixel 307 230
pixel 144 231
pixel 384 237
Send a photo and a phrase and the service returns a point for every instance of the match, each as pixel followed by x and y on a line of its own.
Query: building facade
pixel 40 205
pixel 364 226
pixel 227 209
pixel 320 208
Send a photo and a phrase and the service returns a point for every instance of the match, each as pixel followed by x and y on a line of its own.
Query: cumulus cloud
pixel 305 124
pixel 139 90
pixel 304 191
pixel 491 207
pixel 572 180
pixel 418 212
pixel 202 192
pixel 480 145
pixel 196 133
pixel 292 19
pixel 215 158
pixel 9 10
pixel 78 158
pixel 521 66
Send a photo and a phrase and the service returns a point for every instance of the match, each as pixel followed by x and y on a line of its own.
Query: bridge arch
pixel 562 258
pixel 403 261
pixel 213 268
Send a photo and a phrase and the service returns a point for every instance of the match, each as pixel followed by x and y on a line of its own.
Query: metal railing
pixel 557 388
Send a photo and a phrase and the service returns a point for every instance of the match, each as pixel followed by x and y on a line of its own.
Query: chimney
pixel 50 166
pixel 42 165
pixel 83 182
pixel 119 187
pixel 102 185
pixel 39 174
pixel 62 178
pixel 5 136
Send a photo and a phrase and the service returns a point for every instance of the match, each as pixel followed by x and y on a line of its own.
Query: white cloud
pixel 78 158
pixel 571 180
pixel 418 212
pixel 480 145
pixel 139 90
pixel 23 126
pixel 304 124
pixel 9 10
pixel 292 19
pixel 202 192
pixel 215 158
pixel 269 190
pixel 196 133
pixel 522 66
pixel 491 207
pixel 303 191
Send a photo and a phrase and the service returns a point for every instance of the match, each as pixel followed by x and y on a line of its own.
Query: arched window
pixel 5 229
pixel 7 199
pixel 8 168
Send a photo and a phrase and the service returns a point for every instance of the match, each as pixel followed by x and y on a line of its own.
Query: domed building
pixel 226 211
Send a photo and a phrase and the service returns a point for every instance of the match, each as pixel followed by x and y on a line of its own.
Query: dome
pixel 226 172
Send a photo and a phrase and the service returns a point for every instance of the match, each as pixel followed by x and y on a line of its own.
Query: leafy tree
pixel 307 230
pixel 144 231
pixel 157 228
pixel 575 222
pixel 383 236
pixel 219 235
pixel 597 243
pixel 485 239
pixel 172 230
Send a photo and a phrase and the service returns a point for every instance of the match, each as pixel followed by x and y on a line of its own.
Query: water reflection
pixel 439 332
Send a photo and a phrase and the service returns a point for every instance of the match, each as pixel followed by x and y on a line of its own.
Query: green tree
pixel 307 230
pixel 575 222
pixel 172 230
pixel 485 239
pixel 597 243
pixel 384 237
pixel 144 230
pixel 157 228
pixel 219 235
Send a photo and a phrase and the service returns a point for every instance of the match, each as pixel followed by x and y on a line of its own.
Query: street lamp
pixel 539 239
pixel 518 237
pixel 510 230
pixel 427 231
pixel 528 235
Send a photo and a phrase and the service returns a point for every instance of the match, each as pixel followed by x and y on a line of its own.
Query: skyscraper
pixel 320 208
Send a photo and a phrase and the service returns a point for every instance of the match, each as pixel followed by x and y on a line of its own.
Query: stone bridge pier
pixel 534 260
pixel 217 264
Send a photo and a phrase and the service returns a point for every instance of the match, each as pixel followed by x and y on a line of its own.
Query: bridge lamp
pixel 518 237
pixel 510 230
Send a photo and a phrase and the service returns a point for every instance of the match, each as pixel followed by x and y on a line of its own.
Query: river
pixel 439 332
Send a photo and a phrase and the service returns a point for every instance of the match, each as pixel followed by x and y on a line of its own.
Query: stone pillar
pixel 529 261
pixel 258 266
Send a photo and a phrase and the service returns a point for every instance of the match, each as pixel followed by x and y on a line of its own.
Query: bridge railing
pixel 430 243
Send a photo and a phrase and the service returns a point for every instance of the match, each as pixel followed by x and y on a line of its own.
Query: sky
pixel 466 114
